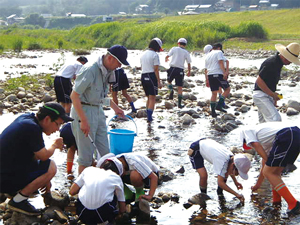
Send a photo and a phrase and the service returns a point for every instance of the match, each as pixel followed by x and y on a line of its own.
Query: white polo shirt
pixel 263 133
pixel 142 164
pixel 98 187
pixel 179 56
pixel 148 60
pixel 212 62
pixel 216 154
pixel 69 70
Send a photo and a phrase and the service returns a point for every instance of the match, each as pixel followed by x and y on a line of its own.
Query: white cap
pixel 243 164
pixel 118 164
pixel 103 158
pixel 159 42
pixel 182 40
pixel 207 49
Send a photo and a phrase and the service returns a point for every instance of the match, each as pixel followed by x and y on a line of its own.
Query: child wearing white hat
pixel 224 164
pixel 179 56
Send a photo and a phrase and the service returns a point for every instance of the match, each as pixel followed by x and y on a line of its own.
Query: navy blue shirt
pixel 270 71
pixel 18 142
pixel 67 135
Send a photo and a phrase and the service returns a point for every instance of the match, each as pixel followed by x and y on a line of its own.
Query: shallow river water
pixel 166 144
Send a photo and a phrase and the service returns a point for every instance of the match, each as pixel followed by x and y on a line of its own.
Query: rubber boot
pixel 171 96
pixel 213 109
pixel 220 104
pixel 179 101
pixel 149 115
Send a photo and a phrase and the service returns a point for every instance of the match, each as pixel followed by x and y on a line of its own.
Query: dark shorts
pixel 285 148
pixel 107 212
pixel 15 182
pixel 149 82
pixel 67 135
pixel 196 158
pixel 146 181
pixel 121 81
pixel 177 74
pixel 216 81
pixel 63 89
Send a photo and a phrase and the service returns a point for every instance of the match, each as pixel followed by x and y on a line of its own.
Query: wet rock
pixel 165 175
pixel 289 168
pixel 60 216
pixel 244 108
pixel 12 98
pixel 60 200
pixel 292 111
pixel 141 114
pixel 21 94
pixel 2 91
pixel 293 104
pixel 166 198
pixel 2 96
pixel 46 98
pixel 228 116
pixel 202 103
pixel 181 170
pixel 187 119
pixel 22 219
pixel 199 199
pixel 169 105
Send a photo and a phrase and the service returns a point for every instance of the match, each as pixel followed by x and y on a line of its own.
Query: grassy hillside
pixel 283 26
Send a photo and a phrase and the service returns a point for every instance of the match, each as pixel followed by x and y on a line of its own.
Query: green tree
pixel 35 19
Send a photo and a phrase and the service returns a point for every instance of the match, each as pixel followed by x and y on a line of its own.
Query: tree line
pixel 105 7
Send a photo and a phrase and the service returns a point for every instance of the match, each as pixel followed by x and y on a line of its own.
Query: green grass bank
pixel 244 30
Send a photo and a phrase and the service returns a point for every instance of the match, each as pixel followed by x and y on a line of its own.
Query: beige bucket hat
pixel 290 52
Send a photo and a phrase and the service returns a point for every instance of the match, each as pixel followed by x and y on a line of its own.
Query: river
pixel 166 144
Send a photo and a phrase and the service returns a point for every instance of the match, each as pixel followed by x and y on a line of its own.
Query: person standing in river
pixel 265 96
pixel 179 56
pixel 216 76
pixel 88 97
pixel 25 164
pixel 224 164
pixel 278 144
pixel 121 84
pixel 150 74
pixel 63 84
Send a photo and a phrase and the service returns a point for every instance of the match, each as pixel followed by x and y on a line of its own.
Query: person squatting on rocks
pixel 69 140
pixel 99 190
pixel 88 97
pixel 216 76
pixel 63 84
pixel 150 74
pixel 25 166
pixel 278 145
pixel 139 171
pixel 121 84
pixel 264 94
pixel 224 164
pixel 179 56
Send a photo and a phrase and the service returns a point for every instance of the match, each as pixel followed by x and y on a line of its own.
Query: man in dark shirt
pixel 264 95
pixel 24 160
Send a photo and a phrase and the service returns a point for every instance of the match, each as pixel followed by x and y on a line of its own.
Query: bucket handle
pixel 129 117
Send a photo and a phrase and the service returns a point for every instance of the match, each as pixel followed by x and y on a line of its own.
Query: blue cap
pixel 119 52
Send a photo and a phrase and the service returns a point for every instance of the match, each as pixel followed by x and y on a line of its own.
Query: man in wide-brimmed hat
pixel 264 95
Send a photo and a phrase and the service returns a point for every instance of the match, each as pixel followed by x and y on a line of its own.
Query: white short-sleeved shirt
pixel 179 56
pixel 216 154
pixel 263 133
pixel 148 60
pixel 212 62
pixel 98 187
pixel 69 70
pixel 142 164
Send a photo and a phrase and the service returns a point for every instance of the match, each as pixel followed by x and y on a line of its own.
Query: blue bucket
pixel 121 140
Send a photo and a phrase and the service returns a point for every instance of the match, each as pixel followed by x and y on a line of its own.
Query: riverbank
pixel 167 139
